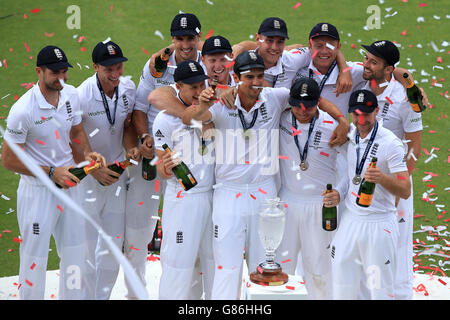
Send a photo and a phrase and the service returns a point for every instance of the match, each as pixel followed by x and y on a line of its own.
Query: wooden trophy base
pixel 266 277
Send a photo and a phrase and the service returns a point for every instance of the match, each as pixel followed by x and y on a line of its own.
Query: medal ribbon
pixel 304 154
pixel 360 165
pixel 246 126
pixel 325 77
pixel 105 102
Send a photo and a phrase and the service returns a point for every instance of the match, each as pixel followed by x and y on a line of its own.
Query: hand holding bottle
pixel 373 174
pixel 134 153
pixel 331 198
pixel 105 175
pixel 63 177
pixel 96 157
pixel 147 149
pixel 169 162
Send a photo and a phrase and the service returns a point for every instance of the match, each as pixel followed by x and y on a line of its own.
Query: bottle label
pixel 415 107
pixel 191 178
pixel 328 224
pixel 365 199
pixel 181 182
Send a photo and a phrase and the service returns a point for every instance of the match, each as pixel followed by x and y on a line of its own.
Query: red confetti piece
pixel 248 284
pixel 40 142
pixel 341 115
pixel 355 194
pixel 70 183
pixel 25 16
pixel 347 69
pixel 387 230
pixel 152 258
pixel 133 248
pixel 314 54
pixel 295 131
pixel 297 5
pixel 283 157
pixel 157 184
pixel 49 34
pixel 285 261
pixel 373 83
pixel 442 281
pixel 18 240
pixel 57 134
pixel 111 8
pixel 324 154
pixel 262 191
pixel 35 10
pixel 422 4
pixel 254 198
pixel 389 100
pixel 6 66
pixel 83 49
pixel 28 282
pixel 210 32
pixel 81 39
pixel 32 266
pixel 179 194
pixel 221 86
pixel 145 51
pixel 59 208
pixel 238 195
pixel 219 267
pixel 354 46
pixel 229 65
pixel 142 202
pixel 76 140
pixel 26 47
pixel 260 270
pixel 327 121
pixel 432 131
pixel 401 178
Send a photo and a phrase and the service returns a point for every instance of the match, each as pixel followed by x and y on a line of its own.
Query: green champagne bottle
pixel 82 172
pixel 148 171
pixel 366 189
pixel 182 173
pixel 118 167
pixel 329 215
pixel 161 63
pixel 414 94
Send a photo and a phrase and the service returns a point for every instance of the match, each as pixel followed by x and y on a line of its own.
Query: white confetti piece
pixel 155 159
pixel 434 46
pixel 420 19
pixel 82 164
pixel 61 81
pixel 90 199
pixel 159 34
pixel 330 46
pixel 209 2
pixel 106 40
pixel 79 65
pixel 436 17
pixel 5 96
pixel 4 197
pixel 430 158
pixel 118 190
pixel 155 197
pixel 384 84
pixel 93 133
pixel 218 185
pixel 134 162
pixel 156 217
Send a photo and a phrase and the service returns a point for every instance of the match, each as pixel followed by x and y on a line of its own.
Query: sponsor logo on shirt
pixel 159 134
pixel 43 120
pixel 163 82
pixel 11 131
pixel 233 114
pixel 96 113
pixel 416 120
pixel 285 130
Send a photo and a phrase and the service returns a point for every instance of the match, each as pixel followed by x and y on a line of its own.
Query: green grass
pixel 132 25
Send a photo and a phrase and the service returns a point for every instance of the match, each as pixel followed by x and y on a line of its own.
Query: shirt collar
pixel 97 94
pixel 43 104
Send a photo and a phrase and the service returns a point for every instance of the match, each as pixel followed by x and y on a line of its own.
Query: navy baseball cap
pixel 386 50
pixel 216 44
pixel 185 24
pixel 53 58
pixel 362 100
pixel 272 27
pixel 248 60
pixel 189 71
pixel 324 29
pixel 107 53
pixel 304 91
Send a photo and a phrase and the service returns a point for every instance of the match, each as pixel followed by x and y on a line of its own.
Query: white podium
pixel 294 289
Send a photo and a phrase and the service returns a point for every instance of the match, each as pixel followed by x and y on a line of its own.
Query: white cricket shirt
pixel 395 112
pixel 186 142
pixel 329 87
pixel 391 159
pixel 321 158
pixel 95 120
pixel 253 160
pixel 43 129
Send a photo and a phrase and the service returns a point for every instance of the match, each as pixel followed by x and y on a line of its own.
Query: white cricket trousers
pixel 40 215
pixel 364 247
pixel 187 236
pixel 235 220
pixel 404 277
pixel 304 234
pixel 106 206
pixel 141 211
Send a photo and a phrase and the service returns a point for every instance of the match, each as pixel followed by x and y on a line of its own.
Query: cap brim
pixel 251 66
pixel 195 79
pixel 218 50
pixel 184 33
pixel 362 107
pixel 318 34
pixel 275 34
pixel 58 65
pixel 112 61
pixel 307 103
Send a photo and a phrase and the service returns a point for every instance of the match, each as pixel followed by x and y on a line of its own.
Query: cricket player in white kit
pixel 44 122
pixel 107 100
pixel 186 220
pixel 366 239
pixel 140 219
pixel 308 164
pixel 396 115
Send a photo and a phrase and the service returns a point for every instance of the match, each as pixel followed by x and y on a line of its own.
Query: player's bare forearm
pixel 140 122
pixel 244 46
pixel 80 143
pixel 12 163
pixel 164 98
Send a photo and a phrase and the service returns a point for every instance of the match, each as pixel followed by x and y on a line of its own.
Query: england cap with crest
pixel 272 27
pixel 189 72
pixel 324 29
pixel 53 58
pixel 362 100
pixel 185 24
pixel 107 53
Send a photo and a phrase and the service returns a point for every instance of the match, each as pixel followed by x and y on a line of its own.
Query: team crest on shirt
pixel 69 111
pixel 264 114
pixel 317 139
pixel 385 111
pixel 374 150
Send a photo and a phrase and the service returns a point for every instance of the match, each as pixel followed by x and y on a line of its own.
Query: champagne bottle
pixel 214 83
pixel 148 171
pixel 329 215
pixel 161 63
pixel 182 173
pixel 82 172
pixel 414 94
pixel 366 189
pixel 118 167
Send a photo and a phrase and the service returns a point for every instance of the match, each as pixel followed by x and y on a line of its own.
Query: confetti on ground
pixel 297 5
